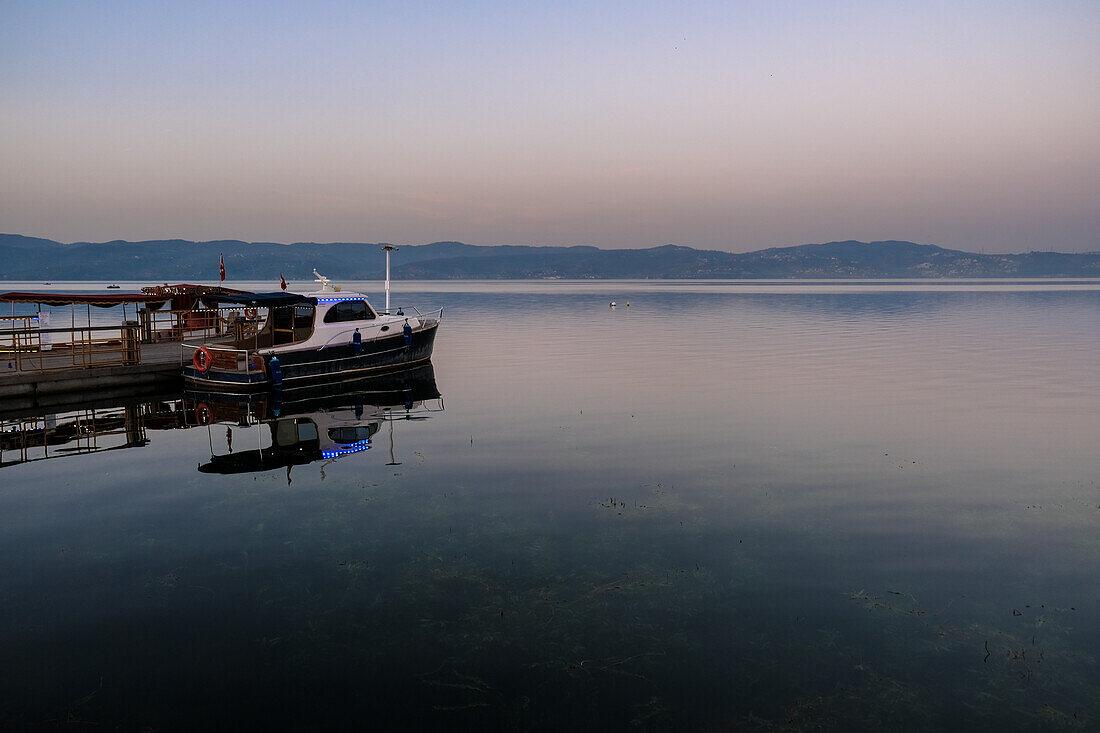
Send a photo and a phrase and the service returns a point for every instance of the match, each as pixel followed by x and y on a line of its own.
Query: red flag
pixel 282 281
pixel 221 267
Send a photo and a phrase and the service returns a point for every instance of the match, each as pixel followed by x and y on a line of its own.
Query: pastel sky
pixel 719 125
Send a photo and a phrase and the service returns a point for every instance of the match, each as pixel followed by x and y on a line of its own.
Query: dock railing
pixel 24 348
pixel 27 439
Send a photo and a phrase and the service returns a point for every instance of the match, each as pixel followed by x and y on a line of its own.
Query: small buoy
pixel 612 304
pixel 628 304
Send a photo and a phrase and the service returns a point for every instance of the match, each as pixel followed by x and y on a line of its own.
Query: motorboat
pixel 287 340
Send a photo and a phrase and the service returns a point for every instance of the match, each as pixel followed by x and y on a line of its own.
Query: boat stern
pixel 220 368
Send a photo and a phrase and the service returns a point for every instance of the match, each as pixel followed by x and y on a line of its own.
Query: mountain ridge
pixel 35 258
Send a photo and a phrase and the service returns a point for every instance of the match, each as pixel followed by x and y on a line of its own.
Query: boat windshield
pixel 349 310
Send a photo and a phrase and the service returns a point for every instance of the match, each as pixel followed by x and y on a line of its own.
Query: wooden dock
pixel 42 364
pixel 53 378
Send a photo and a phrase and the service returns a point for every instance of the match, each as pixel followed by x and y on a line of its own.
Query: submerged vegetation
pixel 498 624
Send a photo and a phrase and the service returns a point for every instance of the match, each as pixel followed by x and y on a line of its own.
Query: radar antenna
pixel 323 280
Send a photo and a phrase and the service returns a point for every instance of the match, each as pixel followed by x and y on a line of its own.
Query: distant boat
pixel 112 287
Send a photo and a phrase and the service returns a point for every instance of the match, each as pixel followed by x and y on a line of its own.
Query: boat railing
pixel 205 323
pixel 436 314
pixel 425 318
pixel 420 410
pixel 224 357
pixel 33 349
pixel 343 336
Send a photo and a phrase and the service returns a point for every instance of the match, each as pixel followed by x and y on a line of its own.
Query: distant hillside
pixel 29 258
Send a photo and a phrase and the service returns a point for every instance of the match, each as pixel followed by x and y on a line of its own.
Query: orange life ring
pixel 202 358
pixel 250 312
pixel 202 414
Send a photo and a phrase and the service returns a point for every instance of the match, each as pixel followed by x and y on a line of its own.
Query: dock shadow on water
pixel 603 530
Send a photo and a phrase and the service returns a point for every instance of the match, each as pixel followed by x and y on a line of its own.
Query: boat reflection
pixel 322 422
pixel 317 423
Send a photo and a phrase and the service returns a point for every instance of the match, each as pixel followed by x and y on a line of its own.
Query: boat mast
pixel 388 248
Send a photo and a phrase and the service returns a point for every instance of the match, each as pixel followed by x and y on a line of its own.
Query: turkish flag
pixel 221 267
pixel 282 281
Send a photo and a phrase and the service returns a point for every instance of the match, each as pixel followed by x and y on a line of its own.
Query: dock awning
pixel 101 300
pixel 261 300
pixel 188 289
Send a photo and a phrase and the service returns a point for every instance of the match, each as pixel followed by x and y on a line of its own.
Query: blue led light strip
pixel 362 445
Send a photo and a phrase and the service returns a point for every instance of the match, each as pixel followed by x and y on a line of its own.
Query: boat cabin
pixel 284 325
pixel 296 319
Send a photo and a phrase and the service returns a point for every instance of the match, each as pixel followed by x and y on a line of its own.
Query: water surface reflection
pixel 714 510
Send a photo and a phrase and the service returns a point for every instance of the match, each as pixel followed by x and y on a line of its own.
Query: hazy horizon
pixel 733 127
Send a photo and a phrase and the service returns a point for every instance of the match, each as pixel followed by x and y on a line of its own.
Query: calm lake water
pixel 727 507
